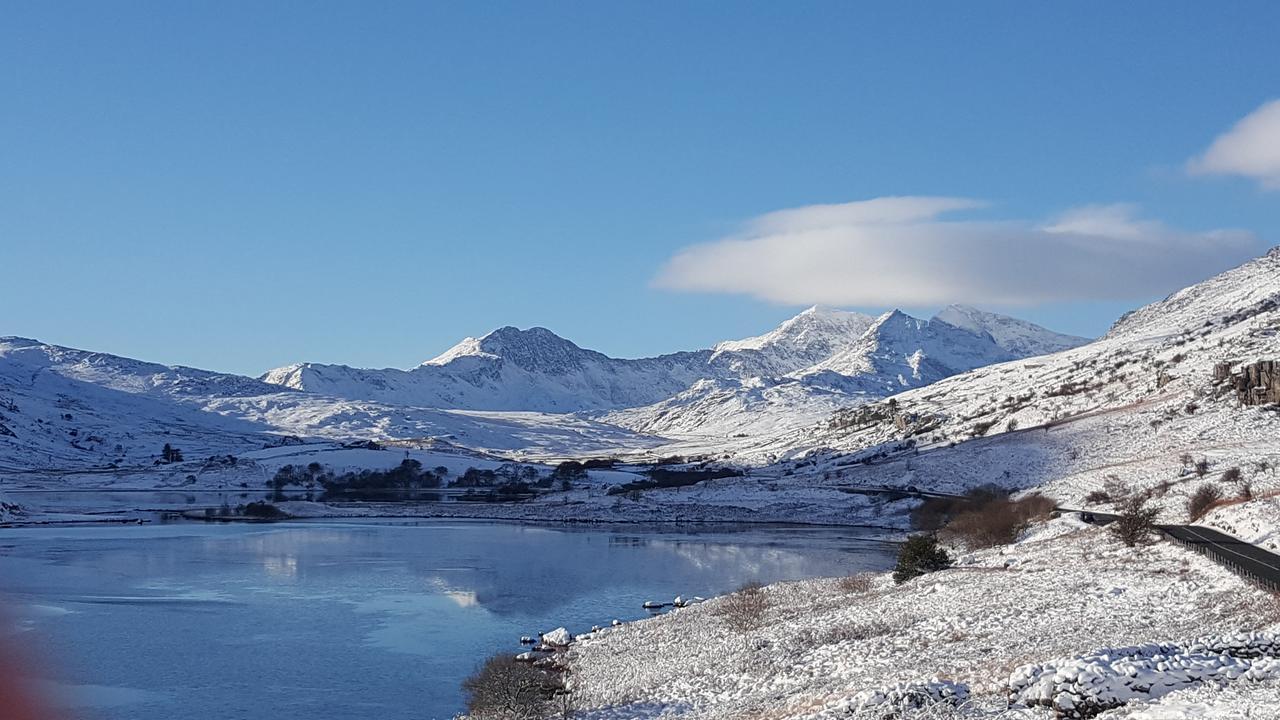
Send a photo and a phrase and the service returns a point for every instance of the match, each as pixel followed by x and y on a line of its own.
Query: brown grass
pixel 860 583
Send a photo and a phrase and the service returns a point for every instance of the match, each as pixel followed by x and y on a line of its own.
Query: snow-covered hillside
pixel 1140 405
pixel 64 409
pixel 1019 337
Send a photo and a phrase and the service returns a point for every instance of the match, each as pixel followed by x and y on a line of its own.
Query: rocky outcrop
pixel 1254 384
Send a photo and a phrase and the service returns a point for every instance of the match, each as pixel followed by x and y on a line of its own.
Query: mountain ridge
pixel 537 370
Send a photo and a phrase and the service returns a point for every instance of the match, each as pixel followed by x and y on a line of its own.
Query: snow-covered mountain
pixel 891 353
pixel 1022 338
pixel 1129 409
pixel 62 409
pixel 508 369
pixel 510 390
pixel 537 370
pixel 803 341
pixel 899 351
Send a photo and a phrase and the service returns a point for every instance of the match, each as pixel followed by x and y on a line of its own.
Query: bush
pixel 996 521
pixel 1232 475
pixel 1204 498
pixel 507 689
pixel 263 510
pixel 919 555
pixel 744 609
pixel 1136 522
pixel 1097 497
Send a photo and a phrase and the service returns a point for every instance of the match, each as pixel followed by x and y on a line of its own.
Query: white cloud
pixel 1251 148
pixel 900 251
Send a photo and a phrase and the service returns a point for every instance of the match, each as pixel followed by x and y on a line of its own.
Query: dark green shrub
pixel 919 555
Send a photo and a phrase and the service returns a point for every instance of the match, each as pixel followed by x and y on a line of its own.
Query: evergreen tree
pixel 920 554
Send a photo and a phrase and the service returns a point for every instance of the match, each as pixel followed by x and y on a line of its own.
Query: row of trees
pixel 410 474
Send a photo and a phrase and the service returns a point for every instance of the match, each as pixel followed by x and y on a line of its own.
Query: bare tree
pixel 508 689
pixel 1136 522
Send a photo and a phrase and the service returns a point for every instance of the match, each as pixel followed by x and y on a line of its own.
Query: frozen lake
pixel 382 620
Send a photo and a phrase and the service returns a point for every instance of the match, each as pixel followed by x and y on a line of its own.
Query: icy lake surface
pixel 348 619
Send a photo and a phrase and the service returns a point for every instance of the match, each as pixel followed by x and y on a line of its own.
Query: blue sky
pixel 242 185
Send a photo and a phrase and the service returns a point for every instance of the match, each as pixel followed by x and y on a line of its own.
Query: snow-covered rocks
pixel 1085 686
pixel 907 696
pixel 560 637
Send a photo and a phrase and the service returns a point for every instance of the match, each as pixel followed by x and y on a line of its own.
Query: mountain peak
pixel 531 349
pixel 895 317
pixel 1019 337
pixel 807 338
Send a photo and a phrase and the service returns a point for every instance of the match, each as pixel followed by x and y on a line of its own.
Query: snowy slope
pixel 1022 338
pixel 67 409
pixel 1136 406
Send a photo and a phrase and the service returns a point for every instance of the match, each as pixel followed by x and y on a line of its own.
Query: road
pixel 1247 559
pixel 1244 558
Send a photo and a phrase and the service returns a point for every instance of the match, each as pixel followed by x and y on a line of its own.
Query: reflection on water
pixel 361 619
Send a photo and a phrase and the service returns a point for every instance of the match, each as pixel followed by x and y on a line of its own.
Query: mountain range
pixel 537 370
pixel 511 389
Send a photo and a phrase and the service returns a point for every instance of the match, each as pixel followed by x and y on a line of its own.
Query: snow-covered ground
pixel 819 648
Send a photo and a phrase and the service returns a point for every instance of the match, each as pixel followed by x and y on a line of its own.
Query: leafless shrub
pixel 1201 467
pixel 508 689
pixel 1246 491
pixel 744 609
pixel 1116 489
pixel 1204 498
pixel 854 632
pixel 859 583
pixel 1097 497
pixel 1232 475
pixel 1136 522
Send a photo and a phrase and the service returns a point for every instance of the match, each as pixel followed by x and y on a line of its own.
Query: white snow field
pixel 979 635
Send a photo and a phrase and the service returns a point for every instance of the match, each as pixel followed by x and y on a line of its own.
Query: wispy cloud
pixel 905 251
pixel 1251 148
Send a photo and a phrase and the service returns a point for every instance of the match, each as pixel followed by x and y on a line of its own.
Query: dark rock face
pixel 1254 384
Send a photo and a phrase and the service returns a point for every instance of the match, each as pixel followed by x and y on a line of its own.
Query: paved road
pixel 1244 558
pixel 1247 559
